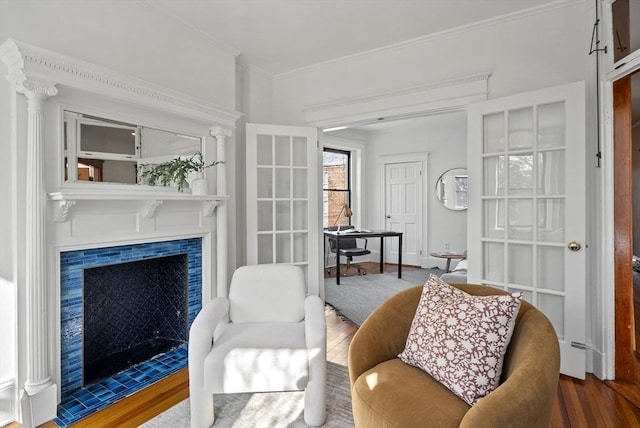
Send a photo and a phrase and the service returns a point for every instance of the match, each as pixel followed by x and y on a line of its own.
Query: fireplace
pixel 117 303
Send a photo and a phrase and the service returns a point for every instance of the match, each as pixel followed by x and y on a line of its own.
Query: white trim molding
pixel 150 201
pixel 434 97
pixel 25 60
pixel 222 245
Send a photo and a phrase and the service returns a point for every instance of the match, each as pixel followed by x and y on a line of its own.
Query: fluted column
pixel 222 246
pixel 36 291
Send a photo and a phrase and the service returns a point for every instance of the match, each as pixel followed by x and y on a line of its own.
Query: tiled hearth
pixel 79 401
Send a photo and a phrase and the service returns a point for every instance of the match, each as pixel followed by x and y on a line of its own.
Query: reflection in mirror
pixel 103 150
pixel 451 189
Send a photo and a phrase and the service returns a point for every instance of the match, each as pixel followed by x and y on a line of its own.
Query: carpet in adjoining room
pixel 357 296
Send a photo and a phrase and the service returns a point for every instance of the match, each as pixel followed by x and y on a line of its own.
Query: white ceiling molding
pixel 435 36
pixel 40 64
pixel 215 42
pixel 253 69
pixel 435 97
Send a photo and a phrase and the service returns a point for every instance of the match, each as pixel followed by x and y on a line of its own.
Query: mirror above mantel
pixel 100 150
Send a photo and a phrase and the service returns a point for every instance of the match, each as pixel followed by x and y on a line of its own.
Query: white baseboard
pixel 7 402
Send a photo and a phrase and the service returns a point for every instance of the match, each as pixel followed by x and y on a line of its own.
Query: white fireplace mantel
pixel 151 200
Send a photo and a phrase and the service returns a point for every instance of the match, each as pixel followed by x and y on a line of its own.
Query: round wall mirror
pixel 451 189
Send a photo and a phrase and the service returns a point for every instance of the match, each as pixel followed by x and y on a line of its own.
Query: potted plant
pixel 177 171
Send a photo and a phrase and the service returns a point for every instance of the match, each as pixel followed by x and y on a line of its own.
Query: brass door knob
pixel 574 246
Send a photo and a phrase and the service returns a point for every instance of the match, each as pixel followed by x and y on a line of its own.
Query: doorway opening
pixel 626 101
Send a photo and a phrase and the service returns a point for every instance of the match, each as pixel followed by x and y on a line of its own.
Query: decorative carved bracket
pixel 149 207
pixel 210 207
pixel 64 207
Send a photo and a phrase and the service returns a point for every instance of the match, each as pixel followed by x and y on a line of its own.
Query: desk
pixel 366 234
pixel 448 256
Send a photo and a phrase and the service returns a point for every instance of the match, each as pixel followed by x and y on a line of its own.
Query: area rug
pixel 357 296
pixel 275 409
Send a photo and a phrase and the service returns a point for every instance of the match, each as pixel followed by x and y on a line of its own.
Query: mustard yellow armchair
pixel 386 392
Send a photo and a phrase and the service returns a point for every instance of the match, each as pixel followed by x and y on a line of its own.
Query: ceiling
pixel 282 35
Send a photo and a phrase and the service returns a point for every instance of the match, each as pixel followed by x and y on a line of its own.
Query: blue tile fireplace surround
pixel 118 274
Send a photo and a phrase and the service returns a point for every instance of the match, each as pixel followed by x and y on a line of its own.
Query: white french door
pixel 283 194
pixel 403 210
pixel 526 218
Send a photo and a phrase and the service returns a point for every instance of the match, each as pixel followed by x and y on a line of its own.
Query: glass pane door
pixel 530 170
pixel 282 197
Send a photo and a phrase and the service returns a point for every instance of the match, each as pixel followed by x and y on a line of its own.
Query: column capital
pixel 220 132
pixel 37 90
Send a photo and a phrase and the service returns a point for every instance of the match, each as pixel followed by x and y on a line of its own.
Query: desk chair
pixel 349 249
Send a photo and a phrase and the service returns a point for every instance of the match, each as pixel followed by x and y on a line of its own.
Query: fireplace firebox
pixel 132 312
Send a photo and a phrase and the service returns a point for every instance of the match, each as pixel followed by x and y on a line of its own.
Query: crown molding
pixel 26 62
pixel 456 81
pixel 254 69
pixel 210 39
pixel 559 4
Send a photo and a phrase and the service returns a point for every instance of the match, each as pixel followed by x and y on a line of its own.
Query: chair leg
pixel 346 271
pixel 201 405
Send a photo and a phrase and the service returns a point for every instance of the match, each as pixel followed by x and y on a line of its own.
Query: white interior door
pixel 283 194
pixel 403 210
pixel 526 219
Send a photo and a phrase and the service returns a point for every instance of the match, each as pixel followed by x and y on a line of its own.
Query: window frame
pixel 349 179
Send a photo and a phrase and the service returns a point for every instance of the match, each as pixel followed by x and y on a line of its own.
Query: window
pixel 336 187
pixel 626 28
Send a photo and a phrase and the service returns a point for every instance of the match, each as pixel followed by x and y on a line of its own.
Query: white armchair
pixel 267 336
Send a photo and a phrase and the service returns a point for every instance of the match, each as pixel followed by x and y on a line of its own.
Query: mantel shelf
pixel 150 200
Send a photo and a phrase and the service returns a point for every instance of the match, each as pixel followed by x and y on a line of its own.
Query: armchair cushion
pixel 377 390
pixel 460 340
pixel 249 357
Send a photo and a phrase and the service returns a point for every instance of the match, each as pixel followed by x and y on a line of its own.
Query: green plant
pixel 175 170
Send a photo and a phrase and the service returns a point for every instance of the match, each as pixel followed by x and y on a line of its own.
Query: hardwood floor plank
pixel 573 404
pixel 142 406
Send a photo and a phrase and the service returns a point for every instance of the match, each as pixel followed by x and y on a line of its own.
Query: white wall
pixel 444 137
pixel 130 37
pixel 524 53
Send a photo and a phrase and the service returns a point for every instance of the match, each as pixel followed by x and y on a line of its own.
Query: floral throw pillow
pixel 459 339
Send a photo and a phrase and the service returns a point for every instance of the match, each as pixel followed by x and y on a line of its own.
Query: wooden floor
pixel 579 404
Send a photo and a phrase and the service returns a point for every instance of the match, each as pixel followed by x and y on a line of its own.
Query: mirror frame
pixel 453 172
